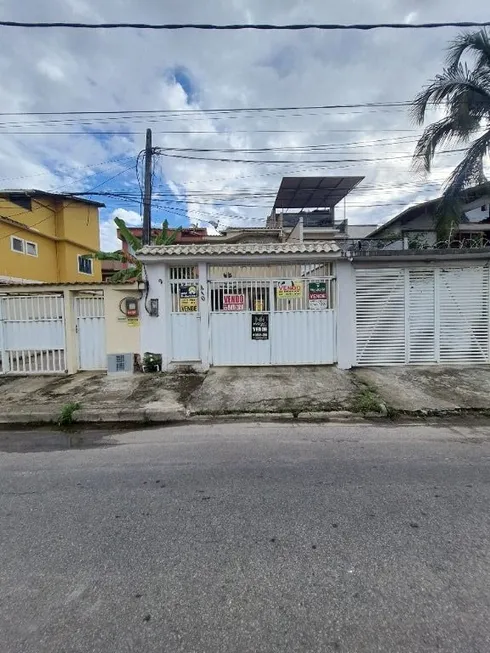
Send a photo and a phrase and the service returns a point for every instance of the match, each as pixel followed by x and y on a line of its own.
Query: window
pixel 85 265
pixel 17 244
pixel 31 248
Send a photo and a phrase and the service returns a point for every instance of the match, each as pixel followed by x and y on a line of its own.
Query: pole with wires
pixel 147 190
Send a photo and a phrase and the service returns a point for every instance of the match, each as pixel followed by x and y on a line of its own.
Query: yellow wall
pixel 41 218
pixel 80 222
pixel 68 264
pixel 120 337
pixel 57 260
pixel 21 266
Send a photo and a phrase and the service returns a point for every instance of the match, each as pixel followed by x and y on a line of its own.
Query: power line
pixel 171 112
pixel 140 113
pixel 192 132
pixel 105 181
pixel 284 162
pixel 248 26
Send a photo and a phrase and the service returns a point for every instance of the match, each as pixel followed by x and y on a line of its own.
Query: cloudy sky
pixel 179 76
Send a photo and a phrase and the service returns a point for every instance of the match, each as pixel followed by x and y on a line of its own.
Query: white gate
pixel 420 316
pixel 90 316
pixel 185 316
pixel 272 315
pixel 32 334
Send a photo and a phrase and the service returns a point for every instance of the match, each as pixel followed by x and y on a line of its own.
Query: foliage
pixel 152 362
pixel 66 414
pixel 418 241
pixel 464 92
pixel 133 269
pixel 366 401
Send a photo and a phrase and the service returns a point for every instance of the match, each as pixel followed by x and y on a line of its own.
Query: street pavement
pixel 246 537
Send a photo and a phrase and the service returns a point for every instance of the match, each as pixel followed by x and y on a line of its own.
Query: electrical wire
pixel 247 26
pixel 187 112
pixel 161 152
pixel 105 181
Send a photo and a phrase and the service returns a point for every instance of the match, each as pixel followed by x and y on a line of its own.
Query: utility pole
pixel 147 191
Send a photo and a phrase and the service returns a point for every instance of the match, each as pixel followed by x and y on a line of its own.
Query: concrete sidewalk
pixel 286 392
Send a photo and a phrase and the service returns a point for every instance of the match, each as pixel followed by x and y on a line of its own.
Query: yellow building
pixel 44 237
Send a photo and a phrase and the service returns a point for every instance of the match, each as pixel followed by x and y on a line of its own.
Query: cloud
pixel 109 241
pixel 61 70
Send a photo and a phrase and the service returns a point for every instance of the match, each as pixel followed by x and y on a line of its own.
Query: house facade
pixel 45 237
pixel 314 304
pixel 416 226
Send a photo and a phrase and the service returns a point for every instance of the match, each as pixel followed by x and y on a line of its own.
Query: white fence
pixel 32 334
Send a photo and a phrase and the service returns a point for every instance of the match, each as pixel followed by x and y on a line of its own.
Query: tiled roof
pixel 219 249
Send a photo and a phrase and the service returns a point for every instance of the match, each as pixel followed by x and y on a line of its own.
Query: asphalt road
pixel 231 538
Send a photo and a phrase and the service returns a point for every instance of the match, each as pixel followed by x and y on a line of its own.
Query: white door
pixel 464 315
pixel 185 317
pixel 422 317
pixel 90 316
pixel 380 317
pixel 256 319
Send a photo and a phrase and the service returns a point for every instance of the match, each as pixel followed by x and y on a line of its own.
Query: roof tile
pixel 219 249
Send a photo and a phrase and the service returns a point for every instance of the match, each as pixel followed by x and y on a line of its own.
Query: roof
pixel 469 195
pixel 313 192
pixel 360 230
pixel 216 249
pixel 34 192
pixel 52 284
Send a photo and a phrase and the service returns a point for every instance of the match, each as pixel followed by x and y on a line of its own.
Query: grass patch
pixel 366 401
pixel 66 413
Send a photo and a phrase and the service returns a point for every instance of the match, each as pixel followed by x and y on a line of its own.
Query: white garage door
pixel 420 316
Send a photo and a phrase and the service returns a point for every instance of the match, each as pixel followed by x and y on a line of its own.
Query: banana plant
pixel 133 268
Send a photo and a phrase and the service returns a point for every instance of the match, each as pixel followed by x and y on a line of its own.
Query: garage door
pixel 421 316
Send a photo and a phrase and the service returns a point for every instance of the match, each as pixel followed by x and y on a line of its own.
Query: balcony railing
pixel 386 247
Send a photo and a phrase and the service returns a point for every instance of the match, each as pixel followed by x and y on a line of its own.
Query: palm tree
pixel 133 271
pixel 464 92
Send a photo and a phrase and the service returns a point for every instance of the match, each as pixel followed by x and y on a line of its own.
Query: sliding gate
pixel 272 315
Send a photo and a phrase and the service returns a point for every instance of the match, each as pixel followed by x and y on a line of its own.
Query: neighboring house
pixel 305 209
pixel 415 228
pixel 44 237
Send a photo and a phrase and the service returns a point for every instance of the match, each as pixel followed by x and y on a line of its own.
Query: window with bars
pixel 85 265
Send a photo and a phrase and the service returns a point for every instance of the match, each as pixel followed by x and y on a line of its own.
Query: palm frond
pixel 475 43
pixel 457 87
pixel 470 170
pixel 443 132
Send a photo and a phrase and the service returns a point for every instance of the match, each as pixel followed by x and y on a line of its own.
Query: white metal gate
pixel 185 315
pixel 272 315
pixel 420 316
pixel 32 334
pixel 90 316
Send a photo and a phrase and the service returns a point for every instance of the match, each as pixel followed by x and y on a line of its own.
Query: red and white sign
pixel 233 302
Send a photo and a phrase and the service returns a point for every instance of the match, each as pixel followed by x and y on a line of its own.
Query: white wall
pixel 154 334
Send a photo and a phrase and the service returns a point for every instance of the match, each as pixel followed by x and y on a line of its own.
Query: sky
pixel 189 73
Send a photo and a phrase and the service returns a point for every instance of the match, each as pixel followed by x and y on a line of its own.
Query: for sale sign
pixel 233 302
pixel 289 289
pixel 317 295
pixel 260 326
pixel 317 290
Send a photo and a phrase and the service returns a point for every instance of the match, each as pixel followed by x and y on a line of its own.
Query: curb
pixel 126 418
